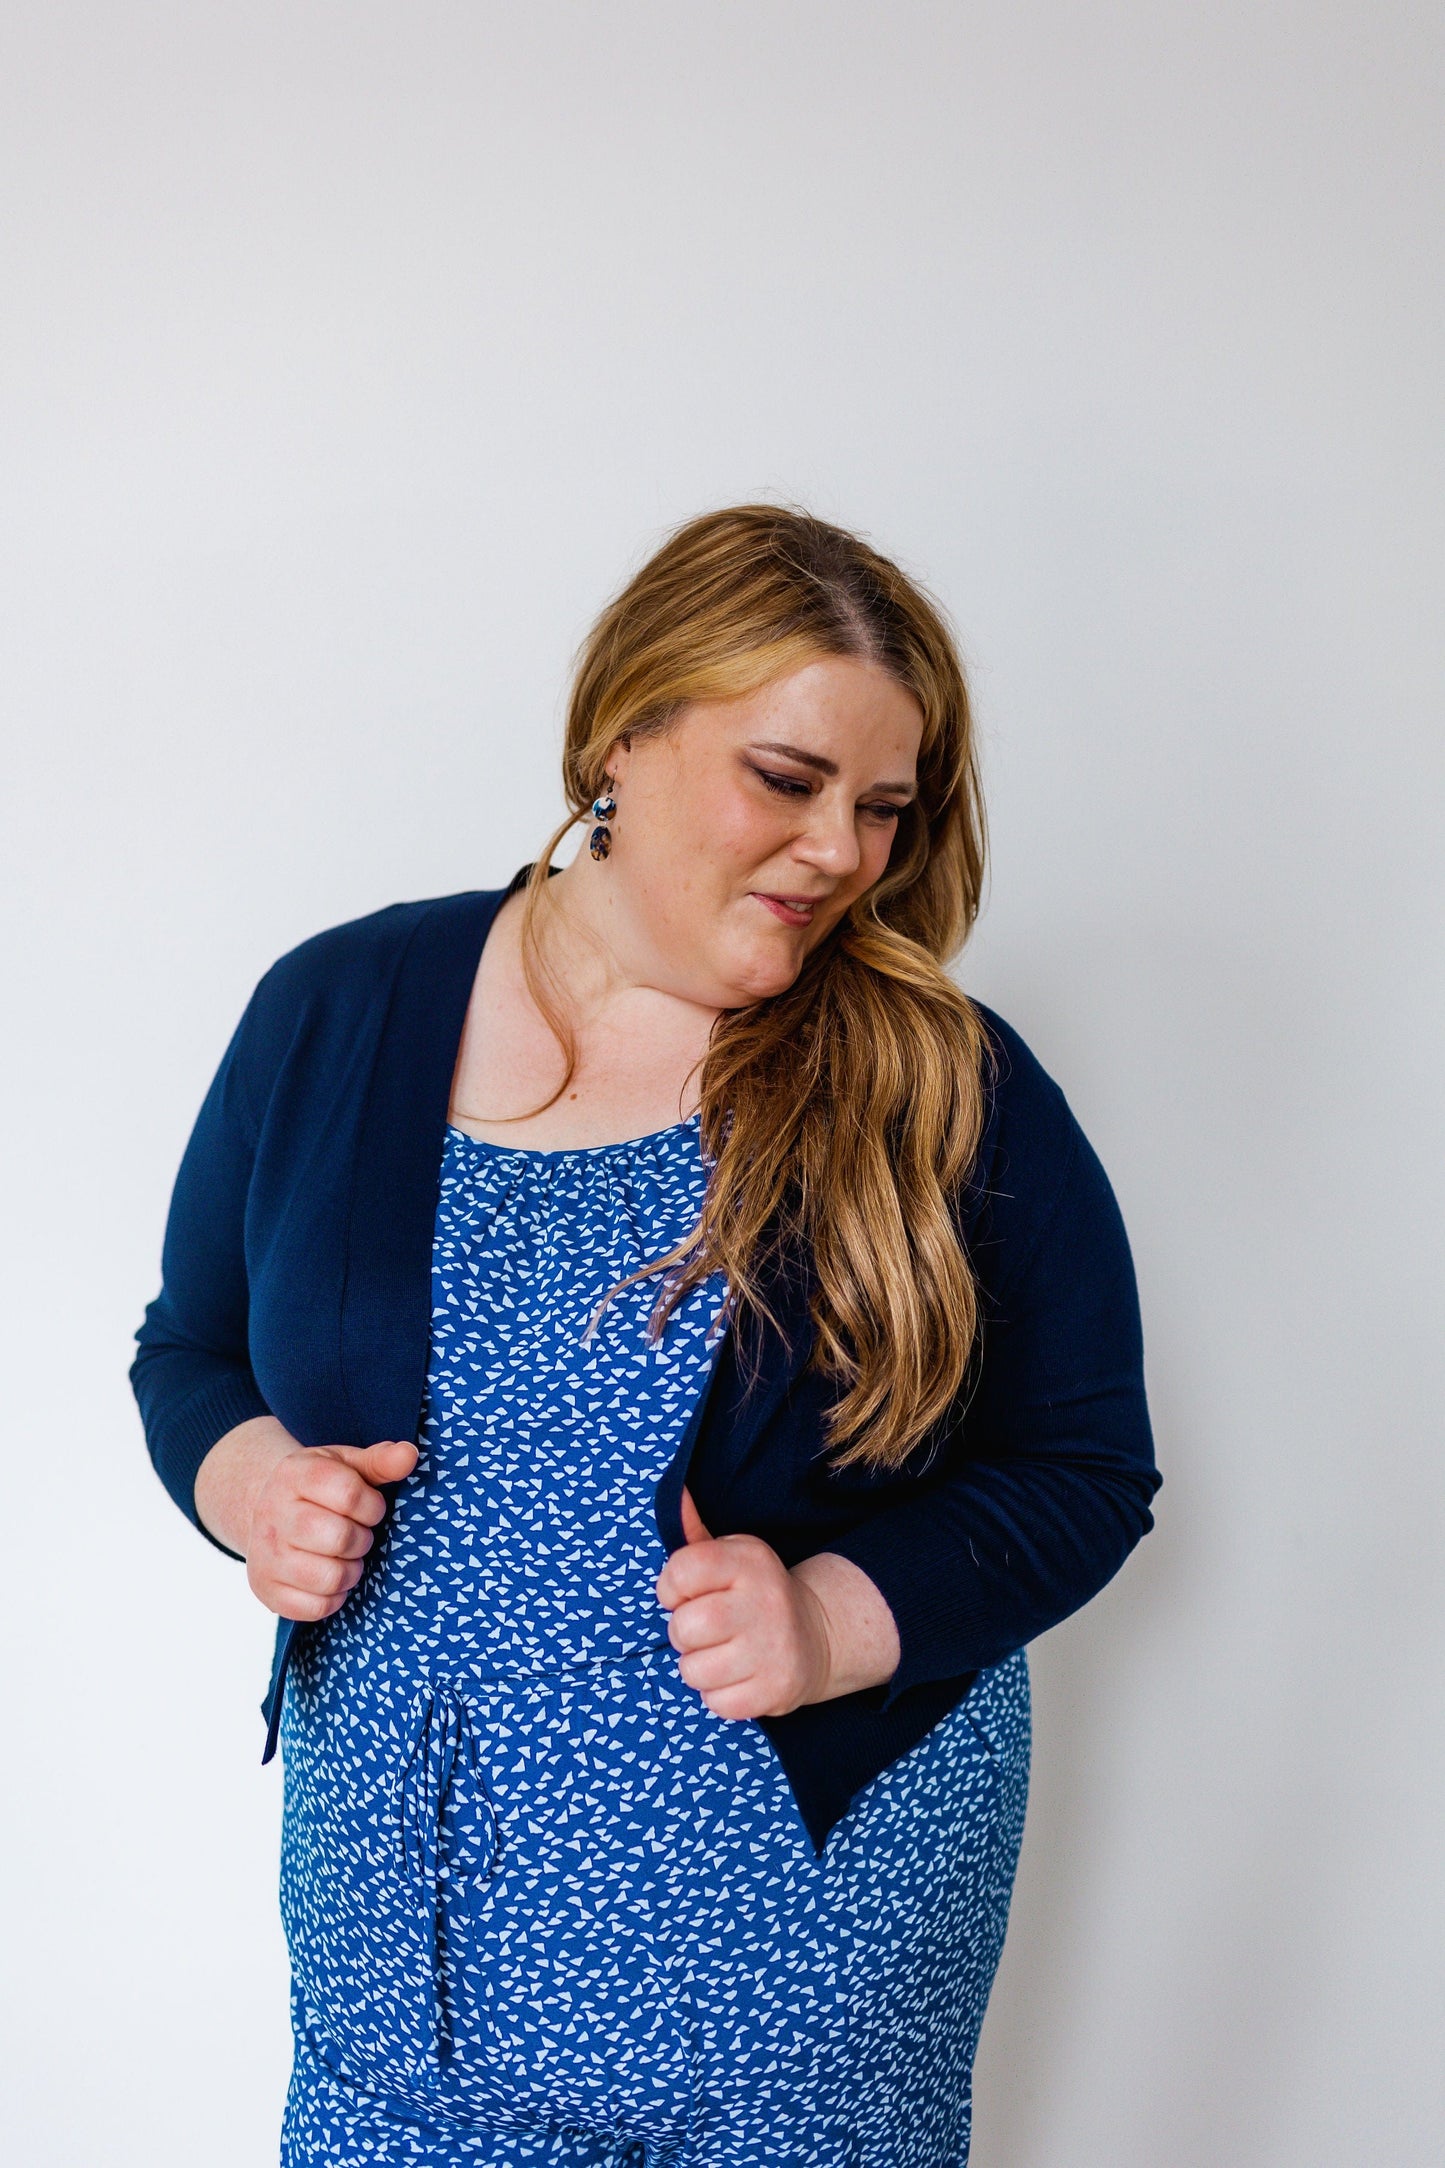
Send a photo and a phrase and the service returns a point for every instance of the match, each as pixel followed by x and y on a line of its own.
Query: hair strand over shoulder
pixel 842 1115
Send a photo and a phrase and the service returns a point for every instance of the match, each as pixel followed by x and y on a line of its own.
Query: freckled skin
pixel 700 833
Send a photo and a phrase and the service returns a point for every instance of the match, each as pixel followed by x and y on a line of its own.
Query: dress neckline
pixel 653 1137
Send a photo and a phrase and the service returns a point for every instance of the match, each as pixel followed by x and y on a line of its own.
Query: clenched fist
pixel 757 1639
pixel 302 1517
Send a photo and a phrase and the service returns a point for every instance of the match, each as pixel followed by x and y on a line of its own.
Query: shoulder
pixel 1035 1166
pixel 331 986
pixel 1026 1109
pixel 360 956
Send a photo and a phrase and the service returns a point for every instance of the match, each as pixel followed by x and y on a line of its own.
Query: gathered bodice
pixel 526 1538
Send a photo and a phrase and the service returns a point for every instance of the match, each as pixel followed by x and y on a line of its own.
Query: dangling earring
pixel 600 840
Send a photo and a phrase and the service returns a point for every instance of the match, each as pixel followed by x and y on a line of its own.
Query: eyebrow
pixel 824 766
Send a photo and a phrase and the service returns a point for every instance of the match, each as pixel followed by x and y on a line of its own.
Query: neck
pixel 597 947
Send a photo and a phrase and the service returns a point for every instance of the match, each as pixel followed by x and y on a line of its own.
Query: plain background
pixel 352 356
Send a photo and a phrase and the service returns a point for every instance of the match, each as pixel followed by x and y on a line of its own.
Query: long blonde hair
pixel 841 1116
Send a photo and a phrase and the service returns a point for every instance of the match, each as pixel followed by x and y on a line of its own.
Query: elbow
pixel 1129 1503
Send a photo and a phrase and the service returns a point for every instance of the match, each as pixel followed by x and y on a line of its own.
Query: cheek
pixel 875 848
pixel 729 830
pixel 701 848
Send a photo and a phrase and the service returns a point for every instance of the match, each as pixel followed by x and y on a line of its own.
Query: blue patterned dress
pixel 542 1905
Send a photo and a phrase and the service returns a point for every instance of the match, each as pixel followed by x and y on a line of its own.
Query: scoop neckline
pixel 572 1151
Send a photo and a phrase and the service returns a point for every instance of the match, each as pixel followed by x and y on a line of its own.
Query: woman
pixel 662 1352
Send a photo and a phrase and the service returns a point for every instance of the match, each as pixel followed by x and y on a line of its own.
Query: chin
pixel 759 978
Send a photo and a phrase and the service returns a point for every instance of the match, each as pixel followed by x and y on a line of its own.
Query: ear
pixel 619 757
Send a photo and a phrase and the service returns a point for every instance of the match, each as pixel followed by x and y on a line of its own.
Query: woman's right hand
pixel 302 1517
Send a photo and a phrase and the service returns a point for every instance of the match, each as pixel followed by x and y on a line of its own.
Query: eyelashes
pixel 789 786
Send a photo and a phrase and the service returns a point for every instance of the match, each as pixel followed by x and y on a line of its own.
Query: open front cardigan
pixel 297 1283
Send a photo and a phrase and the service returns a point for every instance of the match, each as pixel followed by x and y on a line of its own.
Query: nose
pixel 829 840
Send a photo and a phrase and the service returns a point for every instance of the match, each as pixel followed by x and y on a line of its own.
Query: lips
pixel 792 910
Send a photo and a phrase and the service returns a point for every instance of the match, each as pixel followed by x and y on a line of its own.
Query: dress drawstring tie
pixel 448 1835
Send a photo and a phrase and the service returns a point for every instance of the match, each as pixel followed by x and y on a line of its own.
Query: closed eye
pixel 792 786
pixel 786 786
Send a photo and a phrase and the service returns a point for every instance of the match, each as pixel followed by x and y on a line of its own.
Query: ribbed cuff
pixel 936 1604
pixel 193 1428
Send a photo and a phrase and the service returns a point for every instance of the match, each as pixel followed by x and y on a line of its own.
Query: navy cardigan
pixel 297 1283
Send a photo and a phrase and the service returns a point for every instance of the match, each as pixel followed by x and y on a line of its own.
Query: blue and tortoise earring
pixel 600 840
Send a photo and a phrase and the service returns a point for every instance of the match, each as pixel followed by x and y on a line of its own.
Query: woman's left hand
pixel 758 1640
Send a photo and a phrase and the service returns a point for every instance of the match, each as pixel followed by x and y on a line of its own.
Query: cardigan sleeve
pixel 1047 1483
pixel 192 1375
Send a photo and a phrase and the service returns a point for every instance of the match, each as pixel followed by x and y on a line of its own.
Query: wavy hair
pixel 839 1118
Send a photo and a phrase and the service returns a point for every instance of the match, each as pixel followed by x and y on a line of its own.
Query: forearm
pixel 987 1562
pixel 233 1473
pixel 856 1626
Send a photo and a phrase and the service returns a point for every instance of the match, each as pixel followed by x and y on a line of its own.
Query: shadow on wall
pixel 1082 1008
pixel 1192 1820
pixel 1040 2011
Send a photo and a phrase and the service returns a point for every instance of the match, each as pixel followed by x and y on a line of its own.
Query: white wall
pixel 351 356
